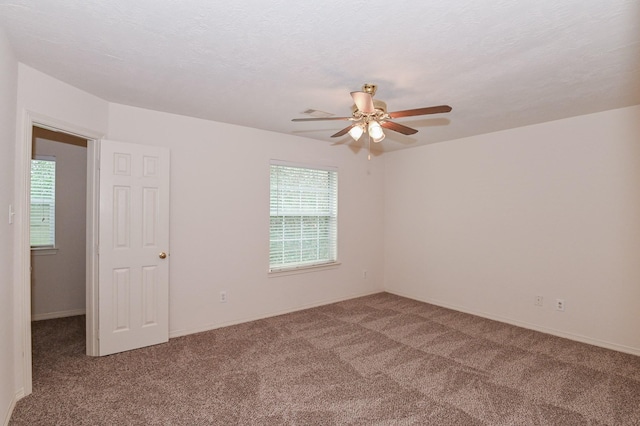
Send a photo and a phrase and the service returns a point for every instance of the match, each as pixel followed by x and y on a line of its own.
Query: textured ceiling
pixel 499 63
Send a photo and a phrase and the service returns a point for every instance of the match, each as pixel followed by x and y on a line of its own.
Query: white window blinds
pixel 303 217
pixel 43 202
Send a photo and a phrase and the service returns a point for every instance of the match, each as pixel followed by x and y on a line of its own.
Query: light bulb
pixel 375 131
pixel 356 132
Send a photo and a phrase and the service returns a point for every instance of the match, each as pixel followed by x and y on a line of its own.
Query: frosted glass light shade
pixel 375 131
pixel 356 132
pixel 380 138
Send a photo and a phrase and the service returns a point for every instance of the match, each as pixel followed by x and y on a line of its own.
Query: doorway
pixel 23 300
pixel 58 225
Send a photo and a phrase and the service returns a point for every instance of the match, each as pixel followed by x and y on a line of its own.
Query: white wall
pixel 44 95
pixel 220 218
pixel 486 223
pixel 8 91
pixel 58 280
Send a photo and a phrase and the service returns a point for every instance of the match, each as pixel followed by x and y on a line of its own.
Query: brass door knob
pixel 162 255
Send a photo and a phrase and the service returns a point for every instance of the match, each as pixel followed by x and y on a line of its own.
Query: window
pixel 303 217
pixel 43 202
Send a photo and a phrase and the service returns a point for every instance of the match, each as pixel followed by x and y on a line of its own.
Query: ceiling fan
pixel 370 116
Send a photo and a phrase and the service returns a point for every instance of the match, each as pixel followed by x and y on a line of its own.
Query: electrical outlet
pixel 223 297
pixel 559 304
pixel 538 301
pixel 364 274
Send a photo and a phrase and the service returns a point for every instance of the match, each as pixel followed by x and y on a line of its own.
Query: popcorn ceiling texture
pixel 500 64
pixel 380 359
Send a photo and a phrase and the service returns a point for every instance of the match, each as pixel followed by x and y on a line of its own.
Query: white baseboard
pixel 12 404
pixel 530 326
pixel 209 327
pixel 59 314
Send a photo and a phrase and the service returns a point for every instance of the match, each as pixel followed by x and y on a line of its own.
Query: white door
pixel 133 253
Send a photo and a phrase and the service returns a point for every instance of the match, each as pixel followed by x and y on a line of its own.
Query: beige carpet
pixel 376 360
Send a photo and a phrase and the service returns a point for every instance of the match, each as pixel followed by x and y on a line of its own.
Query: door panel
pixel 134 230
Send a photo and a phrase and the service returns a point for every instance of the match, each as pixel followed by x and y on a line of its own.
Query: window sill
pixel 44 251
pixel 303 269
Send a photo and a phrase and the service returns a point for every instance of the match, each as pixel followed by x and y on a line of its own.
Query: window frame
pixel 302 267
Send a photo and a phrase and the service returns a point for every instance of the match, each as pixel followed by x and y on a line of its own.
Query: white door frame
pixel 22 297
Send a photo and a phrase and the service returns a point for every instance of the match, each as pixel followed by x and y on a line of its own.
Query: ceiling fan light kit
pixel 356 131
pixel 375 131
pixel 370 115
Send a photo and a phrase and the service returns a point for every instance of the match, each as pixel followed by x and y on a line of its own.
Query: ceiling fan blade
pixel 420 111
pixel 322 119
pixel 363 101
pixel 398 128
pixel 343 131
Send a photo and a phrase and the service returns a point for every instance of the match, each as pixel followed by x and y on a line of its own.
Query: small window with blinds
pixel 303 217
pixel 43 202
